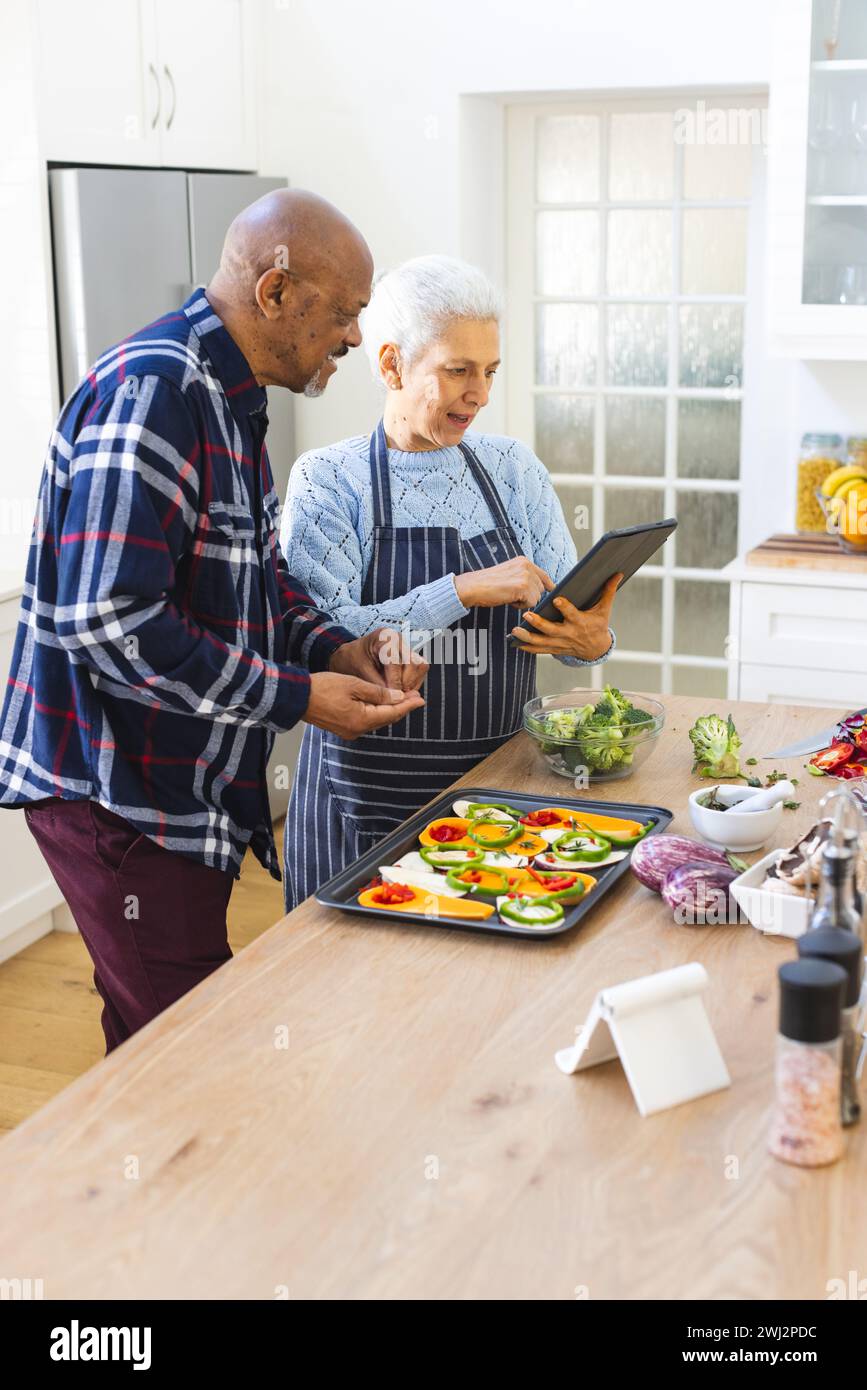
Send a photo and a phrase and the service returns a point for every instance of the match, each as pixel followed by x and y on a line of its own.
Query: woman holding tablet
pixel 449 534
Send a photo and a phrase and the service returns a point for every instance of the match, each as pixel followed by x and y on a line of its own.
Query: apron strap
pixel 380 480
pixel 489 492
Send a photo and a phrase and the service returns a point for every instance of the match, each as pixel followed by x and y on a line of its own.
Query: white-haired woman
pixel 427 526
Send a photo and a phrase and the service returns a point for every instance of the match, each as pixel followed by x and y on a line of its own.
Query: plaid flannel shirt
pixel 161 641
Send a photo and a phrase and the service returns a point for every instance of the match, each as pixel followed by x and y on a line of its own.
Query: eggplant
pixel 656 856
pixel 698 894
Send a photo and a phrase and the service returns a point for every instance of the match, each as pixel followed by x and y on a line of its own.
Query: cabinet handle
pixel 171 81
pixel 155 75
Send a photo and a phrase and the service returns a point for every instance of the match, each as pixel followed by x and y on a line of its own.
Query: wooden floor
pixel 49 1010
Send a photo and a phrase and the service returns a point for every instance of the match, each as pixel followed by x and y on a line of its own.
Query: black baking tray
pixel 342 890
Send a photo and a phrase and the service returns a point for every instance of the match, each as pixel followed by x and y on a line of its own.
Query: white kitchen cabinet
pixel 797 637
pixel 98 90
pixel 205 55
pixel 154 82
pixel 817 181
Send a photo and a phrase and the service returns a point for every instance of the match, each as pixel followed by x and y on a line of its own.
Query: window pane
pixel 701 618
pixel 636 617
pixel 707 531
pixel 708 439
pixel 717 171
pixel 633 506
pixel 639 253
pixel 637 344
pixel 642 156
pixel 564 433
pixel 566 344
pixel 638 677
pixel 567 159
pixel 634 435
pixel 714 251
pixel 698 680
pixel 576 499
pixel 567 253
pixel 711 339
pixel 553 677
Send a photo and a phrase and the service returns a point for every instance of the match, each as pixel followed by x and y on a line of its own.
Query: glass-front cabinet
pixel 818 180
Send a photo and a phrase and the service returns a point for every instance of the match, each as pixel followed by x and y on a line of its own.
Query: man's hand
pixel 382 657
pixel 349 707
pixel 581 633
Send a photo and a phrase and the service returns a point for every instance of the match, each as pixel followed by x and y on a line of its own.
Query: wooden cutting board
pixel 811 552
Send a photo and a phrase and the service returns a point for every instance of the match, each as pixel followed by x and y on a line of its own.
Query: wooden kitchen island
pixel 413 1139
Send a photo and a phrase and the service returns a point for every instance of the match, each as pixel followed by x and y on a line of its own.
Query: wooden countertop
pixel 203 1160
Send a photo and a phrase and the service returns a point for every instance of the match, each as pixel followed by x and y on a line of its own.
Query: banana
pixel 846 487
pixel 849 473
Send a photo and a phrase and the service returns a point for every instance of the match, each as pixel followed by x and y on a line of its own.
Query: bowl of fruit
pixel 600 741
pixel 843 500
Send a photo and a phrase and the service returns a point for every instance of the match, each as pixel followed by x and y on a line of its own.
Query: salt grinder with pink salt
pixel 806 1128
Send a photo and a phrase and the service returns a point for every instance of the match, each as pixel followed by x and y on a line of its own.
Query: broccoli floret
pixel 637 716
pixel 602 757
pixel 716 745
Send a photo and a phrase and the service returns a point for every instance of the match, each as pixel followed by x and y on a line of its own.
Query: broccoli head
pixel 716 744
pixel 637 716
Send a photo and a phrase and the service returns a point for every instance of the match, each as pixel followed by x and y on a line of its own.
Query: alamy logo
pixel 76 1343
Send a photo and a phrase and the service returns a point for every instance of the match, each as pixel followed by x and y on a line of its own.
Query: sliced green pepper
pixel 617 840
pixel 581 846
pixel 477 809
pixel 532 912
pixel 512 833
pixel 451 858
pixel 454 880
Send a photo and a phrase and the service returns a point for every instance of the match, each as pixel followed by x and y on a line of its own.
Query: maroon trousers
pixel 153 921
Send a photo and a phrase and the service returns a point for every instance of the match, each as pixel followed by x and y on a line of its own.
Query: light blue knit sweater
pixel 327 527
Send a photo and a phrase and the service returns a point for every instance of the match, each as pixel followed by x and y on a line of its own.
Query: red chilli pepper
pixel 829 759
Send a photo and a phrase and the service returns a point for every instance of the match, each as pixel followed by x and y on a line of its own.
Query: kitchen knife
pixel 811 744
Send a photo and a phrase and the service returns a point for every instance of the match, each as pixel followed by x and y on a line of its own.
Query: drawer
pixel 794 625
pixel 802 685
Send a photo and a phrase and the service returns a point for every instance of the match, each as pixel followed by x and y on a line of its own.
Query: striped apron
pixel 348 795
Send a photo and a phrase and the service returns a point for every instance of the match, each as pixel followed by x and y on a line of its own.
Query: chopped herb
pixel 775 777
pixel 754 781
pixel 751 762
pixel 791 805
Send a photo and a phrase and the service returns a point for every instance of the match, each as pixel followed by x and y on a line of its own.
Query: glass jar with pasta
pixel 819 455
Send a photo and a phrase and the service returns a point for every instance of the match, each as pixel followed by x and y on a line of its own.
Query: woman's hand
pixel 517 581
pixel 582 633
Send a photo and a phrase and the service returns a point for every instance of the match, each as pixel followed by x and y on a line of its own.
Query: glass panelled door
pixel 627 256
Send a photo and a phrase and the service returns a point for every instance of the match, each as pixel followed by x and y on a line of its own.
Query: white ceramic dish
pixel 733 829
pixel 774 914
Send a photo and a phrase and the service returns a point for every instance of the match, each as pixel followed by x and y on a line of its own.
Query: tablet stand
pixel 658 1027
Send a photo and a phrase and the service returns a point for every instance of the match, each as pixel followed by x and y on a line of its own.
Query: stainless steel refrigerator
pixel 130 245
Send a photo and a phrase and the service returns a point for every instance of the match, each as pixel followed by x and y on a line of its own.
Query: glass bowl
pixel 592 757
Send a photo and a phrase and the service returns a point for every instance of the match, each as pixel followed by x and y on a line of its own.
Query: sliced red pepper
pixel 851 771
pixel 540 818
pixel 831 758
pixel 445 834
pixel 860 739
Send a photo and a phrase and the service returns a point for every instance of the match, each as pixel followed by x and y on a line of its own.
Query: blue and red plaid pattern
pixel 161 641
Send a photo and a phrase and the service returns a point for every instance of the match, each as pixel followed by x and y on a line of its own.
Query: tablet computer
pixel 615 552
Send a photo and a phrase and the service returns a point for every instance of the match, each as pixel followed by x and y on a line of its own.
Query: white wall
pixel 27 391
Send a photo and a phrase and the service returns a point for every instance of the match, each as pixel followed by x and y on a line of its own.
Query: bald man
pixel 162 642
